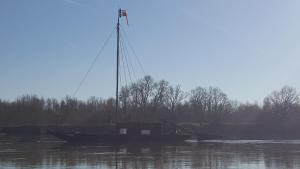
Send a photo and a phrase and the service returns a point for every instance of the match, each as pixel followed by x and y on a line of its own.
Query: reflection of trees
pixel 223 156
pixel 282 156
pixel 20 154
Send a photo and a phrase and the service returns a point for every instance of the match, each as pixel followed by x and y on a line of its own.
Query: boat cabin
pixel 135 129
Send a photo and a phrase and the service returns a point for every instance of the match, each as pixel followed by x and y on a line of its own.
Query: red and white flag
pixel 123 13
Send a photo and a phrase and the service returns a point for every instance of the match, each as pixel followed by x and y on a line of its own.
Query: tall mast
pixel 117 78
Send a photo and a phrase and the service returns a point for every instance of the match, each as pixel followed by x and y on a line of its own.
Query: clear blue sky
pixel 247 48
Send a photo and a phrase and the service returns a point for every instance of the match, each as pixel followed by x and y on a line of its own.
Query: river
pixel 47 152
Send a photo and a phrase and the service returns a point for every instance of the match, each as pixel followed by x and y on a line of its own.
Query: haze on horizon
pixel 247 48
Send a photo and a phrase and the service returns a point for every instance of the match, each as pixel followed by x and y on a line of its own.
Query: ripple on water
pixel 223 154
pixel 252 141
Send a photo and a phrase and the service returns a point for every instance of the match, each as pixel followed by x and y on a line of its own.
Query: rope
pixel 123 66
pixel 133 51
pixel 130 62
pixel 128 69
pixel 93 63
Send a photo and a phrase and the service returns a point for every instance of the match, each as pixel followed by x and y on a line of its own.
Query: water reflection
pixel 49 153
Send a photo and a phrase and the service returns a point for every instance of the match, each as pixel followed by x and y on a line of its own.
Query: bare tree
pixel 145 86
pixel 174 97
pixel 218 104
pixel 211 103
pixel 198 99
pixel 135 96
pixel 124 98
pixel 282 101
pixel 160 94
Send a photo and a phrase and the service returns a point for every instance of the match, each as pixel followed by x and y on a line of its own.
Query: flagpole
pixel 117 78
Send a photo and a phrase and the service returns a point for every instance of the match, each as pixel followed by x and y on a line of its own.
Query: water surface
pixel 46 153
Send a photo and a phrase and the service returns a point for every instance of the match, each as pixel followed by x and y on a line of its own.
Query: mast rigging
pixel 120 14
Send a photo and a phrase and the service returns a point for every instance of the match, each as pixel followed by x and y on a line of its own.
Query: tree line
pixel 147 100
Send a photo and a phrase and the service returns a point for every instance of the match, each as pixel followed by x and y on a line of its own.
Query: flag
pixel 123 13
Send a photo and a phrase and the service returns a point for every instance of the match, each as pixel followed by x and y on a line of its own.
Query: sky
pixel 246 48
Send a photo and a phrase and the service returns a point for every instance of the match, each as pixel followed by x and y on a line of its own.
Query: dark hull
pixel 24 130
pixel 118 139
